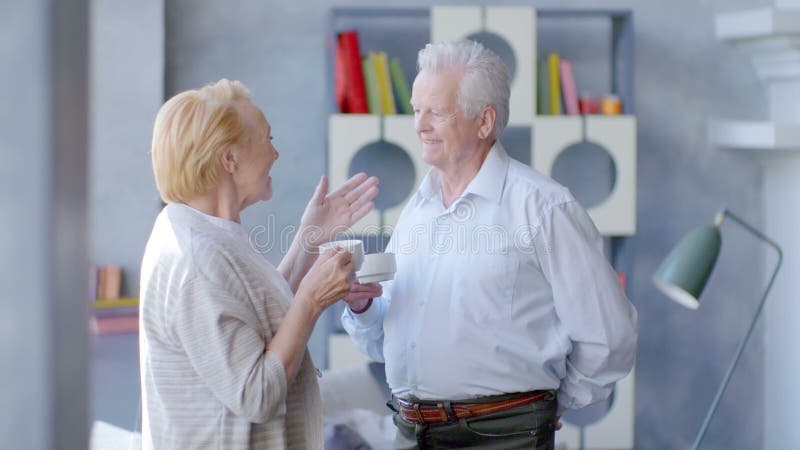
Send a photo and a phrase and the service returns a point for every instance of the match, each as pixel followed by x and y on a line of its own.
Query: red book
pixel 352 76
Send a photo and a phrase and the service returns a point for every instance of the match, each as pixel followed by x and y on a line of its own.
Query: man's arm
pixel 590 303
pixel 366 329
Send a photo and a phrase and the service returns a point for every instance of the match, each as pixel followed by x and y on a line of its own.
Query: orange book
pixel 109 282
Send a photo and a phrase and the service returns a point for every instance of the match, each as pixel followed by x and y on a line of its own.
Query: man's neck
pixel 455 179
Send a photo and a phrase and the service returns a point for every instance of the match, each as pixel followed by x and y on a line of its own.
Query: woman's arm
pixel 326 282
pixel 326 215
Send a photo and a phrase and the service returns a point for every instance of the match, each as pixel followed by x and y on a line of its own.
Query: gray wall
pixel 43 134
pixel 683 77
pixel 127 88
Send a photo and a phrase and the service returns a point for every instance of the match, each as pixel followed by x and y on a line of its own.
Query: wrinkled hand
pixel 328 280
pixel 330 213
pixel 361 293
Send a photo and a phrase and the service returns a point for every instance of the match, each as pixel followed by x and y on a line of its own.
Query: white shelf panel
pixel 349 133
pixel 517 26
pixel 616 215
pixel 755 135
pixel 756 23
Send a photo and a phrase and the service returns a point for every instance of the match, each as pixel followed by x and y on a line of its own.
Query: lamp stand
pixel 721 390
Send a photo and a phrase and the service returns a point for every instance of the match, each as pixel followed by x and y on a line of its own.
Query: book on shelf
pixel 400 85
pixel 350 91
pixel 105 282
pixel 118 311
pixel 554 92
pixel 371 82
pixel 384 83
pixel 123 302
pixel 542 88
pixel 568 89
pixel 114 324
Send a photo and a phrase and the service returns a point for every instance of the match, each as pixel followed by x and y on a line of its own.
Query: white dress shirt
pixel 507 290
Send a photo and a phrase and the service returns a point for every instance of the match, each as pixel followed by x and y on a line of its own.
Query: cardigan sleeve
pixel 221 338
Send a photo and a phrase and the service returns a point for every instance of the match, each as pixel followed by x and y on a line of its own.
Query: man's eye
pixel 270 137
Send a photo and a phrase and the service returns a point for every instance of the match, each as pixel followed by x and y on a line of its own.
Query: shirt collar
pixel 490 179
pixel 488 182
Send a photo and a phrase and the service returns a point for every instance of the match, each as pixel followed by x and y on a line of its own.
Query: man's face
pixel 447 137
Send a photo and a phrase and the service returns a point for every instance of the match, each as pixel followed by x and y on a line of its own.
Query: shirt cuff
pixel 369 317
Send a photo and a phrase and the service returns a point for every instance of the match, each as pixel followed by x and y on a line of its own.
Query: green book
pixel 542 89
pixel 400 85
pixel 373 97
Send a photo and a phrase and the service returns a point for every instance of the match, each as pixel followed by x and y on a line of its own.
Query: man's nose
pixel 422 122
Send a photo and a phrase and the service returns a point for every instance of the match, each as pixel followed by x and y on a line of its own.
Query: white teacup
pixel 354 246
pixel 377 267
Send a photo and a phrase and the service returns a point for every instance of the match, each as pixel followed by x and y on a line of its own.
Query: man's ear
pixel 487 118
pixel 228 160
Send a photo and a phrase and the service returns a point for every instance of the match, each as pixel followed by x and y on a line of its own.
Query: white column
pixel 771 36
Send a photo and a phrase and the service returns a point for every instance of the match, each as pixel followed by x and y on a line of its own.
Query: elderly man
pixel 504 310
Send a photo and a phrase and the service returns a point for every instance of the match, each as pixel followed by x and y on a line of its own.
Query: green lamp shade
pixel 684 273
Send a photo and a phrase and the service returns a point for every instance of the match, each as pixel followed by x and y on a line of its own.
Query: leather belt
pixel 436 412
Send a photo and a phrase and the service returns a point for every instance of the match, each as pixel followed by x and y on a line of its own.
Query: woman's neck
pixel 221 201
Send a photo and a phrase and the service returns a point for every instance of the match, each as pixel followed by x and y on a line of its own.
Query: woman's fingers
pixel 362 211
pixel 363 192
pixel 350 184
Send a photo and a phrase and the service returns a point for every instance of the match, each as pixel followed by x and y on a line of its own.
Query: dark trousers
pixel 530 426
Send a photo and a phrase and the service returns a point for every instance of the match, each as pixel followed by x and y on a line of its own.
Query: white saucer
pixel 375 277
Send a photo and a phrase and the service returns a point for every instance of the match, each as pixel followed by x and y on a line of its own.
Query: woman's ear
pixel 228 160
pixel 487 118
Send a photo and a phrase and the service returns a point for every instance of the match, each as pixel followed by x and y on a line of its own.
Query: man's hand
pixel 330 213
pixel 360 294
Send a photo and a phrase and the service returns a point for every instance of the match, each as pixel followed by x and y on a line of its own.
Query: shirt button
pixel 413 345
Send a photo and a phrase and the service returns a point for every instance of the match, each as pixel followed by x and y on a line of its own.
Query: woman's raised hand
pixel 328 214
pixel 328 280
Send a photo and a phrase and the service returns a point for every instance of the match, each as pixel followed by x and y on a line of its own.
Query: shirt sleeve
pixel 220 335
pixel 598 318
pixel 366 329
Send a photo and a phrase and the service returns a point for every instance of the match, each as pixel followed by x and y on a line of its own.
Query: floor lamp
pixel 684 273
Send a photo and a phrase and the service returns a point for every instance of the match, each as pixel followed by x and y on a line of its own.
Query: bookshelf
pixel 520 35
pixel 520 27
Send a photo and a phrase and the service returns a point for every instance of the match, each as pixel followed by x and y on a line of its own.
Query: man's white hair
pixel 484 77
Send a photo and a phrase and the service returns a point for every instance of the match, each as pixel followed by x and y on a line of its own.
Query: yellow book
pixel 384 83
pixel 118 303
pixel 555 83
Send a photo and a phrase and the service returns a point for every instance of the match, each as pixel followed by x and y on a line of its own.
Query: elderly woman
pixel 223 336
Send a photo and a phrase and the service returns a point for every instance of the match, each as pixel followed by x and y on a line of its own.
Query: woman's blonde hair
pixel 191 130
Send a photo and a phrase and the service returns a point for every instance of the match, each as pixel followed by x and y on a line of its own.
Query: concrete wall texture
pixel 683 77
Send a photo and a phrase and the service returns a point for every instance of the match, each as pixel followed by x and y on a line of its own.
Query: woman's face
pixel 255 158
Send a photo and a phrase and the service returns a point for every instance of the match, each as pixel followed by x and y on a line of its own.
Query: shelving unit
pixel 615 216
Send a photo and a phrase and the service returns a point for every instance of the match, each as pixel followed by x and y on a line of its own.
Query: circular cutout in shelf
pixel 500 47
pixel 586 168
pixel 392 165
